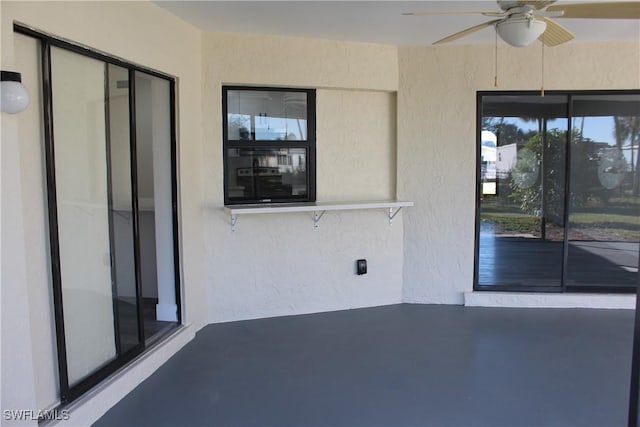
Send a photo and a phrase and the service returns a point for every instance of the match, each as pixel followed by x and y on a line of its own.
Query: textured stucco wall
pixel 278 264
pixel 137 32
pixel 18 368
pixel 357 153
pixel 436 142
pixel 289 61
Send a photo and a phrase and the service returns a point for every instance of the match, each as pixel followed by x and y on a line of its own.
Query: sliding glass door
pixel 111 189
pixel 155 204
pixel 558 192
pixel 84 206
pixel 521 206
pixel 604 209
pixel 121 209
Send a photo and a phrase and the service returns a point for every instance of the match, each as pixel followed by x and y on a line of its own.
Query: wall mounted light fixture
pixel 14 97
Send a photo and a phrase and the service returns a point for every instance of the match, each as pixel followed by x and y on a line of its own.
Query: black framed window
pixel 269 143
pixel 558 191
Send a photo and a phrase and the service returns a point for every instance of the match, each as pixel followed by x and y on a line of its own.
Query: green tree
pixel 542 194
pixel 507 133
pixel 585 184
pixel 628 128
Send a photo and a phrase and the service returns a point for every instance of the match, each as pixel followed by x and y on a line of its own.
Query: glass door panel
pixel 522 154
pixel 82 189
pixel 604 210
pixel 154 173
pixel 121 212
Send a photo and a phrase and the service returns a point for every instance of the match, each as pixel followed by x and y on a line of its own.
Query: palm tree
pixel 629 128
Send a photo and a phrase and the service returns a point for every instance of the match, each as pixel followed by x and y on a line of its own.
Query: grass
pixel 616 220
pixel 598 225
pixel 512 222
pixel 615 226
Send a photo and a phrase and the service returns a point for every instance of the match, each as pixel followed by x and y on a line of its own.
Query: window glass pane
pixel 121 214
pixel 266 174
pixel 78 86
pixel 266 115
pixel 604 211
pixel 522 162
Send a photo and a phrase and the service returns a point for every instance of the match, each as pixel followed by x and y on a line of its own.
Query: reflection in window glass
pixel 522 161
pixel 604 211
pixel 266 115
pixel 270 173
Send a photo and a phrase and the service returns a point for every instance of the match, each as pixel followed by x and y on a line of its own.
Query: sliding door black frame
pixel 634 392
pixel 174 195
pixel 111 219
pixel 567 185
pixel 69 393
pixel 133 158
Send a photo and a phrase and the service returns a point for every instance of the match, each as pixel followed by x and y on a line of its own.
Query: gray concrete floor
pixel 399 365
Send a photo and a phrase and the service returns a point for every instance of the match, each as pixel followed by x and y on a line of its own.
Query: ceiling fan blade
pixel 607 10
pixel 470 30
pixel 536 4
pixel 555 33
pixel 451 12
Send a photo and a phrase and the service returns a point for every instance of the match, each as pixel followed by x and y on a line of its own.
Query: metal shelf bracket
pixel 393 214
pixel 316 218
pixel 392 207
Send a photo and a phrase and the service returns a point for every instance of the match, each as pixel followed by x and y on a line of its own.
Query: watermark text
pixel 31 415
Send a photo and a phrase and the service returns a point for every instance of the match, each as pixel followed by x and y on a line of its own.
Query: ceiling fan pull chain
pixel 495 78
pixel 542 84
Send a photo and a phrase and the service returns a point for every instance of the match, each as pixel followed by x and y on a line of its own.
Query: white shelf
pixel 318 209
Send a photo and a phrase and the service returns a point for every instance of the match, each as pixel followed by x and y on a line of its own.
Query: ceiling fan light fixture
pixel 520 32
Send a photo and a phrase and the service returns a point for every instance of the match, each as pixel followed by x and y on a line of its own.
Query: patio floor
pixel 398 365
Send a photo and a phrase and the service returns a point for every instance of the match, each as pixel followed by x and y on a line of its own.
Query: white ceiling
pixel 371 21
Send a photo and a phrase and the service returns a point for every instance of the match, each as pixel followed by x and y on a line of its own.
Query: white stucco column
pixel 18 385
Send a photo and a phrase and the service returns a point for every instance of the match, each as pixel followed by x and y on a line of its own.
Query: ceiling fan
pixel 520 23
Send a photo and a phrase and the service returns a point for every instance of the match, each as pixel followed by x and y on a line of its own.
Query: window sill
pixel 318 209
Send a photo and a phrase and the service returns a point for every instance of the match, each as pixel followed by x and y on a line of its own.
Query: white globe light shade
pixel 14 97
pixel 520 32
